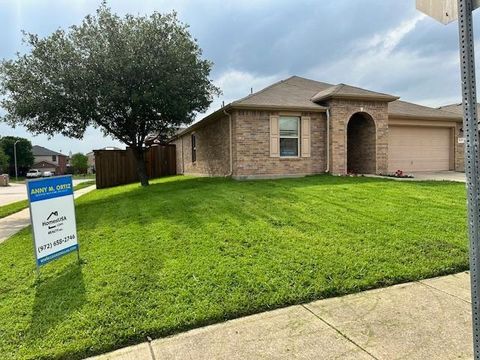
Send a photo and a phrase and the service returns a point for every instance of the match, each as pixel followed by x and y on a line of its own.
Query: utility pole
pixel 470 129
pixel 15 159
pixel 446 11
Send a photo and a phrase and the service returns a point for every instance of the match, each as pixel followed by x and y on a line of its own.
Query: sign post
pixel 445 11
pixel 52 214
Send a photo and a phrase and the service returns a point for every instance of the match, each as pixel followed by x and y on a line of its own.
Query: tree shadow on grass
pixel 55 299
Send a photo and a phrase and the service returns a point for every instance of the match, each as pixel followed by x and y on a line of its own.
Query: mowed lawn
pixel 187 252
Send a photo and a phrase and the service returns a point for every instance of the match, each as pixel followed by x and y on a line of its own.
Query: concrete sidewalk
pixel 12 224
pixel 428 319
pixel 18 191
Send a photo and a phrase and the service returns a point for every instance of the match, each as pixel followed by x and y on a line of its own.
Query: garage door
pixel 412 148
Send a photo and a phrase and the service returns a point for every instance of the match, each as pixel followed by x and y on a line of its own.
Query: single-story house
pixel 49 160
pixel 299 127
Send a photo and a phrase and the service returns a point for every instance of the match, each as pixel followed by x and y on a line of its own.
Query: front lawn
pixel 187 252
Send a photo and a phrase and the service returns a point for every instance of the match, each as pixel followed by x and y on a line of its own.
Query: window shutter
pixel 274 137
pixel 305 131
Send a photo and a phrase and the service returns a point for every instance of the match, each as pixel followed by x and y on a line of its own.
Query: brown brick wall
pixel 340 113
pixel 213 157
pixel 252 146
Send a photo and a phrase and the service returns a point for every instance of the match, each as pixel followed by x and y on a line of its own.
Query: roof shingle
pixel 406 109
pixel 41 151
pixel 294 92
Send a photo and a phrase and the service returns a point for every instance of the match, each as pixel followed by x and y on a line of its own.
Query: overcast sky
pixel 382 45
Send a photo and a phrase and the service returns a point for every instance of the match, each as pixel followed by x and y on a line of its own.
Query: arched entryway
pixel 361 144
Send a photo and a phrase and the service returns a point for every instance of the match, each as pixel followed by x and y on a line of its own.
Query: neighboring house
pixel 91 162
pixel 49 160
pixel 298 127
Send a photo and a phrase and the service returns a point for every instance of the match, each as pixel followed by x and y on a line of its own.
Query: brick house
pixel 299 127
pixel 49 160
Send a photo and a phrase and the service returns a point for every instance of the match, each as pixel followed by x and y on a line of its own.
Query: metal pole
pixel 15 157
pixel 470 128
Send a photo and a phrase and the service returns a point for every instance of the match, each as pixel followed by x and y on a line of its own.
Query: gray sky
pixel 382 45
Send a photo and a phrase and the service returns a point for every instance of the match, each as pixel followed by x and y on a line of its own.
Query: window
pixel 194 148
pixel 54 157
pixel 289 130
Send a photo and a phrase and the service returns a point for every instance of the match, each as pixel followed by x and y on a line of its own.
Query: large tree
pixel 79 163
pixel 23 149
pixel 131 77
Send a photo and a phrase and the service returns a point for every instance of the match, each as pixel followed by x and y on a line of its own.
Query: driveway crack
pixel 152 353
pixel 339 332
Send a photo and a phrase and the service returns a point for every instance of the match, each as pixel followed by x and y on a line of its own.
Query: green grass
pixel 186 252
pixel 84 176
pixel 20 179
pixel 12 208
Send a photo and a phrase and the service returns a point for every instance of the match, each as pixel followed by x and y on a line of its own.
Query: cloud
pixel 382 62
pixel 389 40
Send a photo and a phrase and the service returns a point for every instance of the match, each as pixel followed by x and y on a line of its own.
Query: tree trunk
pixel 138 153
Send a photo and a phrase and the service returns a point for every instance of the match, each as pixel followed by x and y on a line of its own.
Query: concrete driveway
pixel 440 176
pixel 430 176
pixel 16 192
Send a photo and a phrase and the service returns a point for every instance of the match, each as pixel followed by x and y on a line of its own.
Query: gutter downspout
pixel 327 170
pixel 183 159
pixel 230 136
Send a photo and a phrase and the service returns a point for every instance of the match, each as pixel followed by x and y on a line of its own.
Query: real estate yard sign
pixel 52 213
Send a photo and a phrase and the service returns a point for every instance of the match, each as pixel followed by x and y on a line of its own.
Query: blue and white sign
pixel 52 213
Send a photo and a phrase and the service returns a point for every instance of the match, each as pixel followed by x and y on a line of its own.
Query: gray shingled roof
pixel 294 92
pixel 405 109
pixel 343 91
pixel 41 151
pixel 457 109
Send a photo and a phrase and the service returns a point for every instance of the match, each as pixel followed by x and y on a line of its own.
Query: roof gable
pixel 43 164
pixel 343 91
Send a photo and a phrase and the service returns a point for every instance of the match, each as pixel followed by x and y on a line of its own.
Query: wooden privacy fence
pixel 118 167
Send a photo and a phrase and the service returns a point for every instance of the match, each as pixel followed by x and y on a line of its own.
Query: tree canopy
pixel 79 163
pixel 3 161
pixel 24 152
pixel 131 77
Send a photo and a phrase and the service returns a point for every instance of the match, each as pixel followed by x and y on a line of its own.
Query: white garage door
pixel 412 148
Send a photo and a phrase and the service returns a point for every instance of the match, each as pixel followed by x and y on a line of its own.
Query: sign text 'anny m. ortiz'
pixel 52 213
